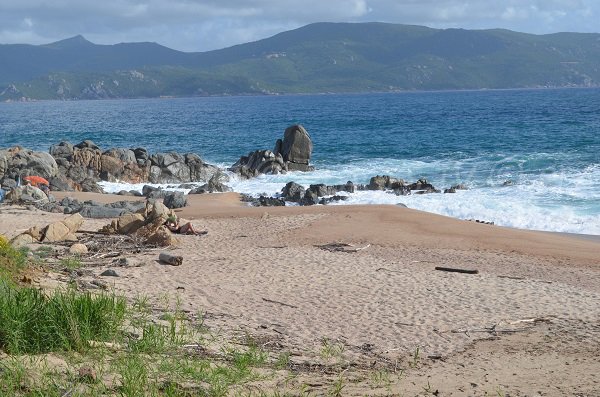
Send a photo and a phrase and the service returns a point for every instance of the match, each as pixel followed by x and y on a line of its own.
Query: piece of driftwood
pixel 280 303
pixel 174 260
pixel 456 270
pixel 342 247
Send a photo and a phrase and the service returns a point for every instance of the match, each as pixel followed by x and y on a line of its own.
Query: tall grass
pixel 31 322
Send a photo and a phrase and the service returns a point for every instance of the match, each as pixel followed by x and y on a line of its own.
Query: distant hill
pixel 321 57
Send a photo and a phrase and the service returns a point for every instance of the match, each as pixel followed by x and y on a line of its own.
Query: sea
pixel 530 158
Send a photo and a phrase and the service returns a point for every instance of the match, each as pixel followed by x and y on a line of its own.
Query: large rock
pixel 16 161
pixel 56 232
pixel 129 223
pixel 290 154
pixel 162 237
pixel 296 146
pixel 259 162
pixel 293 192
pixel 175 200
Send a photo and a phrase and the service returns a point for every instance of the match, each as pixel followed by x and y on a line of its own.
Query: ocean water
pixel 546 142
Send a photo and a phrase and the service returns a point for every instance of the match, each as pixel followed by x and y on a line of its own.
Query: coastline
pixel 270 273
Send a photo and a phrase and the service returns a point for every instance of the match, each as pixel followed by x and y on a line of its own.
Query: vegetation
pixel 322 57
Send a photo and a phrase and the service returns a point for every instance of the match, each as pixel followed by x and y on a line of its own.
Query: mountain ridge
pixel 320 57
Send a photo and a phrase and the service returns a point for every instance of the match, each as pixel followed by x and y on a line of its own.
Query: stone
pixel 265 201
pixel 100 212
pixel 293 192
pixel 78 249
pixel 73 222
pixel 162 238
pixel 378 182
pixel 296 146
pixel 129 223
pixel 175 200
pixel 34 232
pixel 56 232
pixel 22 240
pixel 109 273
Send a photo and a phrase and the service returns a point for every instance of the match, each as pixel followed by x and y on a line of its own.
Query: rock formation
pixel 290 154
pixel 79 167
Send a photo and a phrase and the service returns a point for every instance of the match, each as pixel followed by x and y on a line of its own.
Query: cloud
pixel 195 25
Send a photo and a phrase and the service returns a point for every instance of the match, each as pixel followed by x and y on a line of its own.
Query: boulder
pixel 78 249
pixel 16 161
pixel 175 200
pixel 62 150
pixel 129 223
pixel 162 237
pixel 296 146
pixel 22 240
pixel 378 182
pixel 56 232
pixel 100 212
pixel 259 162
pixel 293 192
pixel 73 222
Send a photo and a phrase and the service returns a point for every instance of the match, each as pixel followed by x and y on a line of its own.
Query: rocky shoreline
pixel 81 167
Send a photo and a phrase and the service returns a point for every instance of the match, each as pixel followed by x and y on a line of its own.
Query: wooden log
pixel 174 260
pixel 455 270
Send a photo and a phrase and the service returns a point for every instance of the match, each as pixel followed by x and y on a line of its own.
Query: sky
pixel 201 25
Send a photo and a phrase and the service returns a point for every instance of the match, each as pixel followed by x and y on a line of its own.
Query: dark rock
pixel 87 144
pixel 293 192
pixel 265 201
pixel 423 187
pixel 8 183
pixel 296 146
pixel 216 183
pixel 123 193
pixel 259 162
pixel 147 189
pixel 109 273
pixel 378 182
pixel 332 199
pixel 175 200
pixel 63 150
pixel 89 185
pixel 98 212
pixel 450 190
pixel 460 186
pixel 310 198
pixel 60 183
pixel 135 193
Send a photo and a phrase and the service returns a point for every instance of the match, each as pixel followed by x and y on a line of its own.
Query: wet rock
pixel 293 192
pixel 265 201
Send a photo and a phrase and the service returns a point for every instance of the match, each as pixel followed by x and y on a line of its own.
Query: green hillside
pixel 322 57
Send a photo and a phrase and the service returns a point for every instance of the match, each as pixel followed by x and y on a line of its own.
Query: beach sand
pixel 527 324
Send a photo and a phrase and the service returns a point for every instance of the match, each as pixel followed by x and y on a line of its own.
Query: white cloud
pixel 207 24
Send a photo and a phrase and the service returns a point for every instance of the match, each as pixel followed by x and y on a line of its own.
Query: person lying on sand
pixel 172 224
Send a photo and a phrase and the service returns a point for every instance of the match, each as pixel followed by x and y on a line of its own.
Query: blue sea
pixel 546 142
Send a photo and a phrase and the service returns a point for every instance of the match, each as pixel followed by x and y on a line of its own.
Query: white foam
pixel 567 201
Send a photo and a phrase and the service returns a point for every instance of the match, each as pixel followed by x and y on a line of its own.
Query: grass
pixel 33 323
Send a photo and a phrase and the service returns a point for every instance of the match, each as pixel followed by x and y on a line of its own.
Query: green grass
pixel 12 260
pixel 31 322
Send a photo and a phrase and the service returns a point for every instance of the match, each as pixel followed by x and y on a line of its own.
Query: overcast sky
pixel 199 25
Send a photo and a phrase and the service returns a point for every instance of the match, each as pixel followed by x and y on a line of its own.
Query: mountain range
pixel 317 58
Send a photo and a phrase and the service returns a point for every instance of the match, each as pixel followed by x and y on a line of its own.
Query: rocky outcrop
pixel 79 167
pixel 290 154
pixel 295 148
pixel 19 162
pixel 54 232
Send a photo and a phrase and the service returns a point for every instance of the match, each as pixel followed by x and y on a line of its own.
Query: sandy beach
pixel 363 280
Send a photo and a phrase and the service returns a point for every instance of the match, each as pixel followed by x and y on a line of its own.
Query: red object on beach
pixel 37 180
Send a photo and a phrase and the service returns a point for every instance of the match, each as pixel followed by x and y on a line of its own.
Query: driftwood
pixel 342 247
pixel 279 303
pixel 456 270
pixel 174 260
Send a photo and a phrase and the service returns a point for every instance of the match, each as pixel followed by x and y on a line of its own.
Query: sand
pixel 265 272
